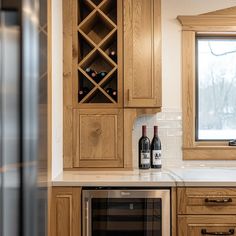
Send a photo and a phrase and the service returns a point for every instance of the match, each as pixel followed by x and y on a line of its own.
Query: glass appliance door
pixel 126 213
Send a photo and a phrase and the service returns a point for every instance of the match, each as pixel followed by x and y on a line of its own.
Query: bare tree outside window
pixel 216 88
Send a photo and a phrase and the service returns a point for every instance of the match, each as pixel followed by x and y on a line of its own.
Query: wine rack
pixel 98 77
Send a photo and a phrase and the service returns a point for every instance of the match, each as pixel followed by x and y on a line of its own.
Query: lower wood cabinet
pixel 66 211
pixel 206 225
pixel 206 211
pixel 98 138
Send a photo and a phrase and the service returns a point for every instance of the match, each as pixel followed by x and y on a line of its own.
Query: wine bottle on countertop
pixel 156 150
pixel 113 55
pixel 144 150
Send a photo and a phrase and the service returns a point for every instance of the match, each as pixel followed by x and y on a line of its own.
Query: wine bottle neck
pixel 144 131
pixel 155 131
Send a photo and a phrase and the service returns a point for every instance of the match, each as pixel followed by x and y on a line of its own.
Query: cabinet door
pixel 142 53
pixel 98 138
pixel 66 211
pixel 206 225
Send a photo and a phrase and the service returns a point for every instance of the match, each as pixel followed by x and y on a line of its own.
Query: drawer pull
pixel 226 200
pixel 204 232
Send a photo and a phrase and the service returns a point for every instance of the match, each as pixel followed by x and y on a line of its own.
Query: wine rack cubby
pixel 98 60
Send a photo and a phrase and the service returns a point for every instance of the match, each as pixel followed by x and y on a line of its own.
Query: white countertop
pixel 168 177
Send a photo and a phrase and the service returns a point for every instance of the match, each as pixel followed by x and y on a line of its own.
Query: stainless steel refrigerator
pixel 23 117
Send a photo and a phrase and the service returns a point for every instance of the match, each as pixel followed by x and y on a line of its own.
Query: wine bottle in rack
pixel 92 73
pixel 113 55
pixel 156 150
pixel 114 94
pixel 109 91
pixel 101 75
pixel 83 92
pixel 144 150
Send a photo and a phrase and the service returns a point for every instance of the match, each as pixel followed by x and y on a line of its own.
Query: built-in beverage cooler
pixel 126 212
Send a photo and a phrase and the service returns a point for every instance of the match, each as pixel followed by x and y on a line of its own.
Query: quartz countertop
pixel 167 177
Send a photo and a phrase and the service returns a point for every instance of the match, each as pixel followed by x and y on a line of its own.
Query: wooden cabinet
pixel 206 211
pixel 98 138
pixel 66 211
pixel 98 86
pixel 206 225
pixel 142 53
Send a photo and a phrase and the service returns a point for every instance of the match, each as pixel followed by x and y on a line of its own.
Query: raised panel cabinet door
pixel 142 53
pixel 206 225
pixel 66 211
pixel 98 138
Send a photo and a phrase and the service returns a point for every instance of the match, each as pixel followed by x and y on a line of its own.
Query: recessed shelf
pixel 109 7
pixel 96 27
pixel 110 86
pixel 98 63
pixel 110 45
pixel 85 86
pixel 84 47
pixel 84 9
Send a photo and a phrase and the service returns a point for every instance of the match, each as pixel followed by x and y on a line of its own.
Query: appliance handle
pixel 87 215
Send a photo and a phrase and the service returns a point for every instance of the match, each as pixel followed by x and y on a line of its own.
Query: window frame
pixel 220 23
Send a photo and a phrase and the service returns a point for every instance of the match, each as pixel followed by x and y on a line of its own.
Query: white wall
pixel 57 94
pixel 171 42
pixel 170 119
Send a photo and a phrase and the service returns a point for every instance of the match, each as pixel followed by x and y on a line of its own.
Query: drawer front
pixel 206 225
pixel 214 201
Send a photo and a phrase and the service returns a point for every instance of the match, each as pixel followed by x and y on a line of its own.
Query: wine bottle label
pixel 156 157
pixel 145 158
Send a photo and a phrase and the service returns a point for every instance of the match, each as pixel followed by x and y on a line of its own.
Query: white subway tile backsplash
pixel 170 132
pixel 169 123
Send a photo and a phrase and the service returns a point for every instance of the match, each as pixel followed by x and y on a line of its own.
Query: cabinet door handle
pixel 226 200
pixel 205 232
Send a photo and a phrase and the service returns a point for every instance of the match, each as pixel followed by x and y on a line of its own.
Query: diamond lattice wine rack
pixel 98 61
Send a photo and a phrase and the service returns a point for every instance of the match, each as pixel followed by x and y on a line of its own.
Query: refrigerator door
pixel 10 122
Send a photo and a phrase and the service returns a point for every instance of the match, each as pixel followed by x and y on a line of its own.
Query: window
pixel 216 88
pixel 209 85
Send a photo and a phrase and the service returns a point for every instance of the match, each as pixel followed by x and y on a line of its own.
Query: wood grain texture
pixel 173 212
pixel 188 87
pixel 66 211
pixel 193 225
pixel 142 55
pixel 192 201
pixel 67 83
pixel 98 138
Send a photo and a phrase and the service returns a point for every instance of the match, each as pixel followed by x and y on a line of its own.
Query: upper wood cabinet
pixel 112 62
pixel 142 53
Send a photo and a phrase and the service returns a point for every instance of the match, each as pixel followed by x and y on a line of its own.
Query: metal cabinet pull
pixel 230 232
pixel 226 200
